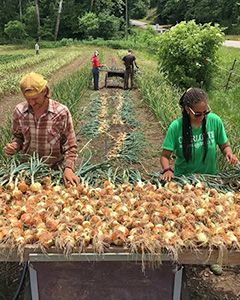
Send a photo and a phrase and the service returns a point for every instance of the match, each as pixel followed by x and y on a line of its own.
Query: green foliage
pixel 15 30
pixel 66 42
pixel 109 26
pixel 115 44
pixel 104 26
pixel 139 8
pixel 69 90
pixel 6 58
pixel 5 137
pixel 30 20
pixel 88 25
pixel 183 50
pixel 46 31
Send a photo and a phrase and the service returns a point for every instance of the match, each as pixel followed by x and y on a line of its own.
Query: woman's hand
pixel 167 176
pixel 11 148
pixel 227 152
pixel 70 178
pixel 231 158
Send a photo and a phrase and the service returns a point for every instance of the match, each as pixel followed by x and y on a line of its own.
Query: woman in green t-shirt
pixel 194 137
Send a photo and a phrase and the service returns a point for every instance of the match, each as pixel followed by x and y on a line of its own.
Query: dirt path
pixel 148 125
pixel 8 102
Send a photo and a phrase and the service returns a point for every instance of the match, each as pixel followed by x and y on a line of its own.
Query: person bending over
pixel 43 125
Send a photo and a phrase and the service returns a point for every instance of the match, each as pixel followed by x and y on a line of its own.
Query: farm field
pixel 111 124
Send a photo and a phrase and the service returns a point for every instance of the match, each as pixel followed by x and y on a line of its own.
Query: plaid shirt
pixel 52 135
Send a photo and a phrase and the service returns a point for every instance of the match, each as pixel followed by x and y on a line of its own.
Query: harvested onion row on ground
pixel 116 118
pixel 117 146
pixel 103 126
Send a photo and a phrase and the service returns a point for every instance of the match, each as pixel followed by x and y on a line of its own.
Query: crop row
pixel 26 62
pixel 10 83
pixel 6 58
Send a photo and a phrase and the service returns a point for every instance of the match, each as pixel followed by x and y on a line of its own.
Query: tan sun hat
pixel 32 82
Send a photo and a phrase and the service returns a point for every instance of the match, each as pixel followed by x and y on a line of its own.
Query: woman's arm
pixel 227 152
pixel 168 173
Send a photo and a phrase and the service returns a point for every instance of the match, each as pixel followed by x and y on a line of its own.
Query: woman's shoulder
pixel 214 117
pixel 176 123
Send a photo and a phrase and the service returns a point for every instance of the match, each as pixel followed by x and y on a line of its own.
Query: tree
pixel 20 10
pixel 88 25
pixel 138 8
pixel 8 12
pixel 46 31
pixel 58 19
pixel 15 30
pixel 30 21
pixel 183 51
pixel 153 3
pixel 107 21
pixel 37 13
pixel 172 11
pixel 91 7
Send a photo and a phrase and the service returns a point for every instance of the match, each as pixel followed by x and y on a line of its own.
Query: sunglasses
pixel 199 114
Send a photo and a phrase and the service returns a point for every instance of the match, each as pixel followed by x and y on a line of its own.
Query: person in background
pixel 43 125
pixel 37 48
pixel 129 60
pixel 95 69
pixel 194 137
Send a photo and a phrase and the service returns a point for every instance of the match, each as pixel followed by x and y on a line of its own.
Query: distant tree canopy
pixel 224 12
pixel 57 19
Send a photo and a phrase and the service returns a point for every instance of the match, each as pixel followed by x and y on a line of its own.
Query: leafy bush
pixel 15 30
pixel 115 44
pixel 183 51
pixel 139 9
pixel 66 42
pixel 88 25
pixel 109 26
pixel 30 21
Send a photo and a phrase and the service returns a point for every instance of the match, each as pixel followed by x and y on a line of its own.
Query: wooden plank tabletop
pixel 202 256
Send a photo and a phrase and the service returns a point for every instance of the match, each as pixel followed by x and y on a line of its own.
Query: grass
pixel 151 17
pixel 224 102
pixel 110 111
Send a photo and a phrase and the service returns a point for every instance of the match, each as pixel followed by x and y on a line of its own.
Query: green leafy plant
pixel 184 50
pixel 15 30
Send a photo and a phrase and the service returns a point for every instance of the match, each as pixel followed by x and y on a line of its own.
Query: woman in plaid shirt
pixel 44 126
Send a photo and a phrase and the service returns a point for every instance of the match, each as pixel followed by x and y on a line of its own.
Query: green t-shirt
pixel 216 136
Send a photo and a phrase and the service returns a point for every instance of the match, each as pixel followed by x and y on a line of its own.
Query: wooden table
pixel 202 256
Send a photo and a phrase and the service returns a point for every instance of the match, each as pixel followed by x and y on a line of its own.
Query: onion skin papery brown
pixel 141 217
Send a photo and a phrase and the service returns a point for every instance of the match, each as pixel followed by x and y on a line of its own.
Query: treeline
pixel 90 19
pixel 57 19
pixel 224 12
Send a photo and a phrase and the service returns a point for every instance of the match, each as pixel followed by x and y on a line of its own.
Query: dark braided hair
pixel 190 98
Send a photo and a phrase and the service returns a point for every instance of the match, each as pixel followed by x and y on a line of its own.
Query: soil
pixel 201 283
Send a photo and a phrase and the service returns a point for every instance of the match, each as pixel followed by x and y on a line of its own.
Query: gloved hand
pixel 137 67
